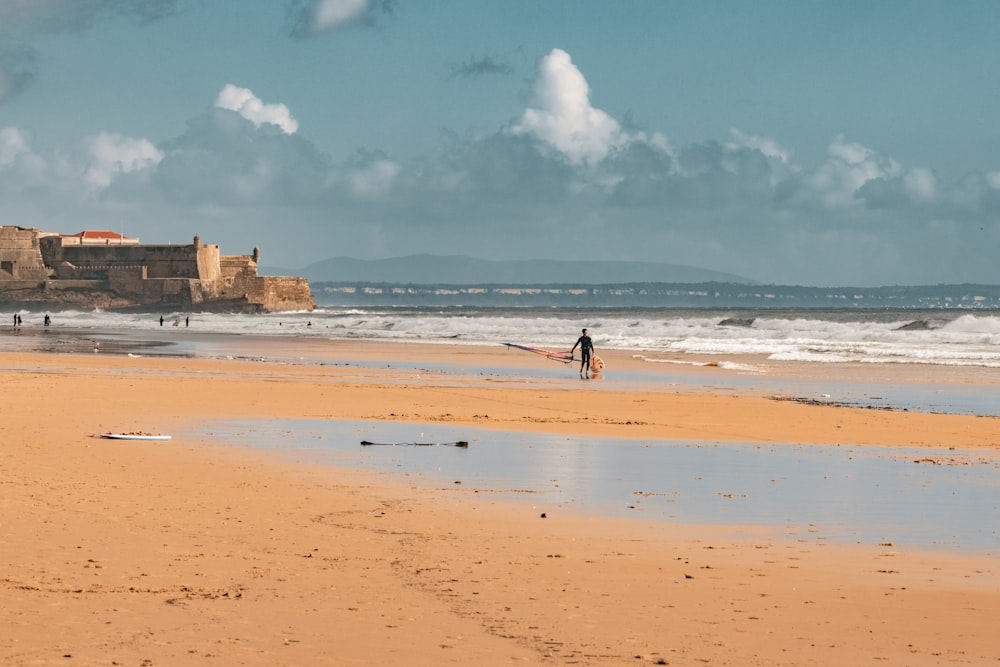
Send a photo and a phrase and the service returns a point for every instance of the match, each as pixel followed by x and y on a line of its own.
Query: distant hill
pixel 464 270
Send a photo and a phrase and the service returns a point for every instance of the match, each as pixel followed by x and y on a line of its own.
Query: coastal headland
pixel 200 552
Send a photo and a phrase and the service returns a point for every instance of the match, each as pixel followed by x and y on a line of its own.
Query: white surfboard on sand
pixel 134 436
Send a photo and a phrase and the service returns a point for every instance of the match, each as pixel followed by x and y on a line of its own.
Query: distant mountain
pixel 464 270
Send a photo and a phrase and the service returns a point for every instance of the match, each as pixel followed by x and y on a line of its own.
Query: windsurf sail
pixel 564 357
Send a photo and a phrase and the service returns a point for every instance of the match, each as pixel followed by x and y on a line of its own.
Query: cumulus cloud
pixel 13 144
pixel 223 159
pixel 849 171
pixel 849 167
pixel 112 154
pixel 371 175
pixel 565 119
pixel 563 173
pixel 22 168
pixel 921 184
pixel 64 184
pixel 314 17
pixel 768 147
pixel 248 105
pixel 854 176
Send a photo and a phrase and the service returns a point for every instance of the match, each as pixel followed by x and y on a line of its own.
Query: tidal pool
pixel 938 498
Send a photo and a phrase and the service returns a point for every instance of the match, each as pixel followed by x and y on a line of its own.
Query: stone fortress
pixel 101 269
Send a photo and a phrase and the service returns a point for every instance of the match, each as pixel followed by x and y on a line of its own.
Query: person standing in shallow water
pixel 586 347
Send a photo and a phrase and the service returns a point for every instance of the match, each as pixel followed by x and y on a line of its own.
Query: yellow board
pixel 596 364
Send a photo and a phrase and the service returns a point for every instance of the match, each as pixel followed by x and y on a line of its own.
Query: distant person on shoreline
pixel 586 347
pixel 161 320
pixel 48 320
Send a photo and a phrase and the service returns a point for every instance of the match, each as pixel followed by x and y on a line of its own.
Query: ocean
pixel 826 336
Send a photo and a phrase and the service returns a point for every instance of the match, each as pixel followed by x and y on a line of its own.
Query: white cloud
pixel 111 154
pixel 367 176
pixel 740 204
pixel 921 184
pixel 330 14
pixel 375 180
pixel 314 17
pixel 566 120
pixel 219 160
pixel 766 145
pixel 848 168
pixel 850 153
pixel 248 105
pixel 23 167
pixel 13 144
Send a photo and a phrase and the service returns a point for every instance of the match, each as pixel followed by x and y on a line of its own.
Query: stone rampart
pixel 237 266
pixel 178 276
pixel 208 261
pixel 127 279
pixel 160 261
pixel 286 293
pixel 168 292
pixel 20 255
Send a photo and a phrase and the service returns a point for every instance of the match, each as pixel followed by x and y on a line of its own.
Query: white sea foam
pixel 949 339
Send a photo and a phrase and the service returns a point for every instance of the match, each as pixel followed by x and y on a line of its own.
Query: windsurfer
pixel 586 347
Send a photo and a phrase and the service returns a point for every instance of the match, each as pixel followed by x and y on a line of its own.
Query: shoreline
pixel 194 343
pixel 688 403
pixel 193 551
pixel 972 390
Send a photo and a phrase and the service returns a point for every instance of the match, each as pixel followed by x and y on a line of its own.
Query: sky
pixel 798 142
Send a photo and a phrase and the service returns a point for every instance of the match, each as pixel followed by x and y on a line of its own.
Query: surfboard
pixel 134 436
pixel 596 364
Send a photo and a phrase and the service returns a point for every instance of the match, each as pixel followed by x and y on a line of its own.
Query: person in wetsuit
pixel 586 347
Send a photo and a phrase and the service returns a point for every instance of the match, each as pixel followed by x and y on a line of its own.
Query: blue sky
pixel 814 143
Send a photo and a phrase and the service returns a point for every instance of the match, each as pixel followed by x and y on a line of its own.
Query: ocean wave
pixel 808 336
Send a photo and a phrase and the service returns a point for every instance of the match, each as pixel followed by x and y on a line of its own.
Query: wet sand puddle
pixel 939 498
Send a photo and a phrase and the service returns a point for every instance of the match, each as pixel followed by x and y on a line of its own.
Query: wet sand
pixel 195 552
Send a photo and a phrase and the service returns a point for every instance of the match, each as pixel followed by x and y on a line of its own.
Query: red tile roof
pixel 98 234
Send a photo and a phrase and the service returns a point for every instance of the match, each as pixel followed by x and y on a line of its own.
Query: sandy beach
pixel 199 552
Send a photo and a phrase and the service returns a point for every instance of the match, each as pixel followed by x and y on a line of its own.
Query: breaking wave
pixel 944 338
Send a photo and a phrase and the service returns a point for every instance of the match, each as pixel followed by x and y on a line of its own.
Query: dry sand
pixel 192 552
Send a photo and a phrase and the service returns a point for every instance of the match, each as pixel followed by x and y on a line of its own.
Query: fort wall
pixel 20 254
pixel 280 292
pixel 127 280
pixel 33 264
pixel 208 261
